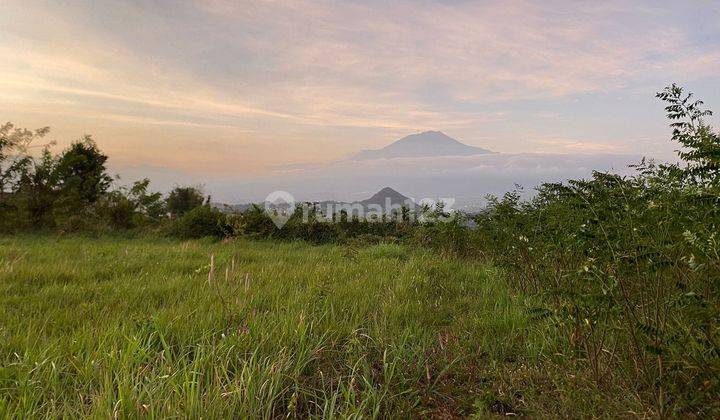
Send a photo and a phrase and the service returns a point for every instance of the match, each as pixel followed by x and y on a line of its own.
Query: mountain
pixel 386 201
pixel 388 196
pixel 427 144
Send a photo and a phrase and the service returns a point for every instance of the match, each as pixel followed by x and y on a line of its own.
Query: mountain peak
pixel 388 191
pixel 425 144
pixel 428 137
pixel 431 132
pixel 385 196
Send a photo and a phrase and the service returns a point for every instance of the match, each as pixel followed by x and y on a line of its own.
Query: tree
pixel 701 146
pixel 35 191
pixel 183 199
pixel 126 208
pixel 23 188
pixel 14 144
pixel 81 171
pixel 148 204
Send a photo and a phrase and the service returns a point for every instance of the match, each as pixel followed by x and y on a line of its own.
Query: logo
pixel 280 206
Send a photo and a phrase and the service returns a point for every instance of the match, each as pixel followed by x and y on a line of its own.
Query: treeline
pixel 73 192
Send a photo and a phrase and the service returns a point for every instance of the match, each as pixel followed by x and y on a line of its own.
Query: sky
pixel 220 89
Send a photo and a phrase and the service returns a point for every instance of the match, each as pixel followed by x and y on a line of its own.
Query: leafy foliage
pixel 201 222
pixel 50 191
pixel 183 199
pixel 80 171
pixel 629 266
pixel 701 146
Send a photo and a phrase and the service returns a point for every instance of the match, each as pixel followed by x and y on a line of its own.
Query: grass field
pixel 155 327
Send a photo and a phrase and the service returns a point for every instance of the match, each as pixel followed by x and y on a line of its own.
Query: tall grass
pixel 158 328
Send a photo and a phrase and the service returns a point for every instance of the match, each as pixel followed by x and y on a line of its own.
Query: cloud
pixel 576 146
pixel 481 51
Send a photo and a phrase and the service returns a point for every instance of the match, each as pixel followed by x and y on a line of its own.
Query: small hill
pixel 388 195
pixel 427 144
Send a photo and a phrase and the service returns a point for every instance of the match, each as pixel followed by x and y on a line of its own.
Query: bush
pixel 201 222
pixel 252 223
pixel 629 267
pixel 184 199
pixel 119 211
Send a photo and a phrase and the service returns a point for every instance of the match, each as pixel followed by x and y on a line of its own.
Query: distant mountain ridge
pixel 426 144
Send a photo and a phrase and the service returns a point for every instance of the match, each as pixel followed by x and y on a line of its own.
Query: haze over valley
pixel 422 165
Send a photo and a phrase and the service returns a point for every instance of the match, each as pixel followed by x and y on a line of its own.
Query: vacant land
pixel 156 327
pixel 128 327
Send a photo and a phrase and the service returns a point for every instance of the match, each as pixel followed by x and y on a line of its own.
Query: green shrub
pixel 629 267
pixel 201 222
pixel 252 223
